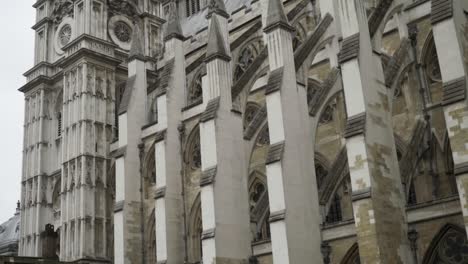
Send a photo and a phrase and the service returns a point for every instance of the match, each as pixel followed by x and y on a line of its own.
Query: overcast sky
pixel 16 46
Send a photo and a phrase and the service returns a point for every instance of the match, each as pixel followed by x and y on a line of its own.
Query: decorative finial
pixel 216 47
pixel 173 30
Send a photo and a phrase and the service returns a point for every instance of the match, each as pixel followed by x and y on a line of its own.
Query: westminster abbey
pixel 246 131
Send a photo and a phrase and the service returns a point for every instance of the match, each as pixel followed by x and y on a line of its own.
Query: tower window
pixel 59 124
pixel 192 7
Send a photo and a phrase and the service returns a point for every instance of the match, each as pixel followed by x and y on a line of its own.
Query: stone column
pixel 448 44
pixel 224 195
pixel 294 209
pixel 377 195
pixel 169 203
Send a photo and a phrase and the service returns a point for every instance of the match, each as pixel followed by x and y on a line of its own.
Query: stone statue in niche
pixel 62 8
pixel 122 7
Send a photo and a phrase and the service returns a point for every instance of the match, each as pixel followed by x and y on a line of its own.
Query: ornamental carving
pixel 65 35
pixel 62 8
pixel 122 7
pixel 453 248
pixel 123 31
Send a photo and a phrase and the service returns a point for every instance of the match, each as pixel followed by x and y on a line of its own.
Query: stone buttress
pixel 446 18
pixel 294 209
pixel 132 116
pixel 170 101
pixel 224 195
pixel 377 195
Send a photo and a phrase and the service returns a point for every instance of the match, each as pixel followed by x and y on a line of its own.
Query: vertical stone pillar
pixel 224 195
pixel 132 116
pixel 377 195
pixel 448 44
pixel 169 204
pixel 294 209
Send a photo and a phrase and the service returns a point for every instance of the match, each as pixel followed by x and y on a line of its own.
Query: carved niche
pixel 123 7
pixel 62 8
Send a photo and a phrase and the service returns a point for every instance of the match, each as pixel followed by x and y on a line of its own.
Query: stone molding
pixel 207 234
pixel 349 49
pixel 277 216
pixel 275 81
pixel 461 168
pixel 160 136
pixel 454 91
pixel 120 152
pixel 355 125
pixel 275 153
pixel 160 193
pixel 208 176
pixel 211 110
pixel 441 10
pixel 118 206
pixel 361 194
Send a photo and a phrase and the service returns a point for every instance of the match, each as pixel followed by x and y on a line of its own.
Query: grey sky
pixel 16 45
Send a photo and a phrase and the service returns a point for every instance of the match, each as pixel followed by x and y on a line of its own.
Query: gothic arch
pixel 449 246
pixel 192 155
pixel 352 256
pixel 195 230
pixel 430 60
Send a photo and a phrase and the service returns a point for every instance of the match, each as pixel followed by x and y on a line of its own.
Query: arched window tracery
pixel 245 59
pixel 194 154
pixel 449 246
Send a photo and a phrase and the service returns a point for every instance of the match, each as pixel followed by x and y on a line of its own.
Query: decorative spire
pixel 218 7
pixel 136 49
pixel 173 30
pixel 216 47
pixel 276 16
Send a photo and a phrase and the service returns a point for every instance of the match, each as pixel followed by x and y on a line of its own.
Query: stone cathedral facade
pixel 247 131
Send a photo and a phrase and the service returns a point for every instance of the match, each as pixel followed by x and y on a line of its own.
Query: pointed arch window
pixel 412 195
pixel 335 214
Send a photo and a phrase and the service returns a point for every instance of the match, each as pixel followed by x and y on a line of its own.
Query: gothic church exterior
pixel 247 131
